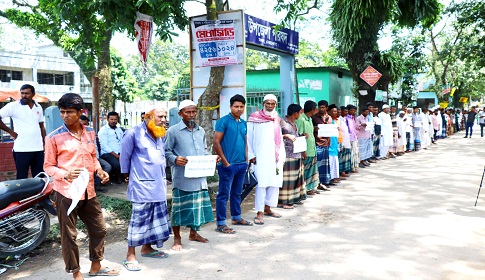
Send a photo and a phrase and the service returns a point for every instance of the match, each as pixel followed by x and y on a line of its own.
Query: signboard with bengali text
pixel 370 76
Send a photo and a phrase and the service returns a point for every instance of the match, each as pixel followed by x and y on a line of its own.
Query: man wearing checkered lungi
pixel 322 146
pixel 142 161
pixel 191 205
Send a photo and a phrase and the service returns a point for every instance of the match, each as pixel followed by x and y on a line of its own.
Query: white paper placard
pixel 327 130
pixel 369 126
pixel 77 189
pixel 377 121
pixel 200 166
pixel 299 145
pixel 418 124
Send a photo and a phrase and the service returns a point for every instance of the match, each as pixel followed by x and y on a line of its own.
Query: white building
pixel 51 71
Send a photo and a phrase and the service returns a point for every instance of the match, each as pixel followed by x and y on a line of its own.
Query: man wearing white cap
pixel 386 140
pixel 267 151
pixel 142 161
pixel 191 205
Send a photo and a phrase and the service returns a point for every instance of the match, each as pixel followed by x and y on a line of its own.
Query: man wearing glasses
pixel 110 139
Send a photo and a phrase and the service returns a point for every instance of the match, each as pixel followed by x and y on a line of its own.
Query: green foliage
pixel 167 63
pixel 120 207
pixel 310 55
pixel 84 28
pixel 124 84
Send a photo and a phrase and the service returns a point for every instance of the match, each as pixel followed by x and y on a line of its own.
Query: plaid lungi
pixel 292 191
pixel 149 224
pixel 311 173
pixel 355 158
pixel 191 209
pixel 345 160
pixel 323 165
pixel 365 148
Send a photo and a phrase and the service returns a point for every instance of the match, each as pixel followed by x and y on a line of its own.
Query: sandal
pixel 241 222
pixel 286 206
pixel 105 272
pixel 258 221
pixel 225 229
pixel 273 214
pixel 131 265
pixel 300 203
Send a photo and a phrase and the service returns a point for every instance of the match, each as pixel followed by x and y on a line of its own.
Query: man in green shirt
pixel 305 127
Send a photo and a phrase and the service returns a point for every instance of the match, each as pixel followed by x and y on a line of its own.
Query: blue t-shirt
pixel 234 140
pixel 333 148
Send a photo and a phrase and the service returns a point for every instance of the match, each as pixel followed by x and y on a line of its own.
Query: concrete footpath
pixel 406 218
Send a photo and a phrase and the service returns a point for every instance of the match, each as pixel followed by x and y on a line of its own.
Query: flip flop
pixel 225 229
pixel 258 221
pixel 286 206
pixel 273 214
pixel 133 263
pixel 105 272
pixel 241 222
pixel 156 255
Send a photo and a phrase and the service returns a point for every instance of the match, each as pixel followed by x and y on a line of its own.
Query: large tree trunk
pixel 106 100
pixel 209 100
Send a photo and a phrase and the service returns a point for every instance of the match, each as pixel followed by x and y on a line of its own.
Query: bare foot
pixel 177 244
pixel 196 237
pixel 78 275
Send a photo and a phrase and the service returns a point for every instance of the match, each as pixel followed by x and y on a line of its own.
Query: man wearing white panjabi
pixel 386 131
pixel 267 151
pixel 425 139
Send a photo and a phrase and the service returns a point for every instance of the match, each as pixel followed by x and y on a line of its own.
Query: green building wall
pixel 319 83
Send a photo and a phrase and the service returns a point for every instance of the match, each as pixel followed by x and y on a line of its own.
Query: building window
pixel 7 75
pixel 59 79
pixel 69 79
pixel 45 78
pixel 17 75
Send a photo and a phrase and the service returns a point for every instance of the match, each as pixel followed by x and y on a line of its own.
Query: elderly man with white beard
pixel 267 151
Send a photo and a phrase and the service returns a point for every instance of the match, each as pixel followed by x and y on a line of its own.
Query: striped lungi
pixel 334 172
pixel 355 158
pixel 311 173
pixel 191 209
pixel 149 224
pixel 365 148
pixel 345 160
pixel 292 191
pixel 323 165
pixel 443 132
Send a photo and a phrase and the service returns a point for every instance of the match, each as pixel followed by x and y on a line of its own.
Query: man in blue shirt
pixel 230 145
pixel 110 140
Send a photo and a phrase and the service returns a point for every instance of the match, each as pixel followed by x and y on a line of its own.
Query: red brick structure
pixel 7 165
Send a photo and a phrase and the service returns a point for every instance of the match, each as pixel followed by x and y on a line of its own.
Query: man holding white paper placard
pixel 417 120
pixel 191 205
pixel 293 190
pixel 322 144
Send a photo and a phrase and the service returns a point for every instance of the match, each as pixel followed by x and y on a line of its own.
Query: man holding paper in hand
pixel 69 150
pixel 293 190
pixel 191 206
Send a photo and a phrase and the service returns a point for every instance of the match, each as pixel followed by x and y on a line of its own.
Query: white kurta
pixel 401 128
pixel 386 130
pixel 261 145
pixel 425 139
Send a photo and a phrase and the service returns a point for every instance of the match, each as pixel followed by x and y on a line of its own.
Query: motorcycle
pixel 24 222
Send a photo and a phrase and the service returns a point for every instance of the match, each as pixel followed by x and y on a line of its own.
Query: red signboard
pixel 370 76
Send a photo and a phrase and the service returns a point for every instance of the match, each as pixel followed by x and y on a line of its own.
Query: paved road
pixel 405 218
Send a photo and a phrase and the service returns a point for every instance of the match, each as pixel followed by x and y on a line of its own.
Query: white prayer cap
pixel 270 97
pixel 409 109
pixel 186 103
pixel 385 106
pixel 401 112
pixel 156 107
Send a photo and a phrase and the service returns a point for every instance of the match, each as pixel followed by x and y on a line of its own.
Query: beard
pixel 157 131
pixel 269 113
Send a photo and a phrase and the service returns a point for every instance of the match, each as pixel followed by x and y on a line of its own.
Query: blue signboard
pixel 262 33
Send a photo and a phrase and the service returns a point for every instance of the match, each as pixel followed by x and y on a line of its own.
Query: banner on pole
pixel 143 36
pixel 215 42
